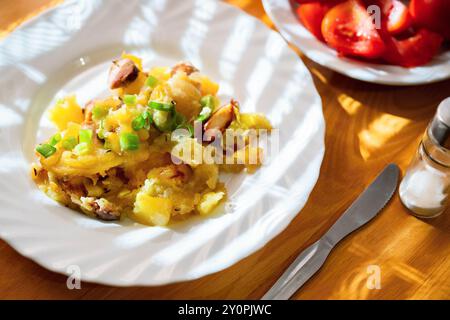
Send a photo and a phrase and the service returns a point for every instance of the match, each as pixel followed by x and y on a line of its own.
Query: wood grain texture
pixel 368 126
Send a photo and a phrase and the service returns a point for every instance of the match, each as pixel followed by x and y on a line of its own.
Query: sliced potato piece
pixel 152 210
pixel 209 201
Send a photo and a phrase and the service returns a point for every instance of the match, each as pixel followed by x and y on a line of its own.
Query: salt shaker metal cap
pixel 437 138
pixel 439 129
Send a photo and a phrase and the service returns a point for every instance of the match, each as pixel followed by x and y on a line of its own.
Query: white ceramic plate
pixel 281 13
pixel 68 50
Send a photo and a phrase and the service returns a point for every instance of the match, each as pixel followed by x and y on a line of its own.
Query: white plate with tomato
pixel 407 45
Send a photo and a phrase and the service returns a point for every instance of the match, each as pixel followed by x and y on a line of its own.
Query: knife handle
pixel 308 262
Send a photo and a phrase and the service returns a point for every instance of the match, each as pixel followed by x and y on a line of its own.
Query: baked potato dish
pixel 139 152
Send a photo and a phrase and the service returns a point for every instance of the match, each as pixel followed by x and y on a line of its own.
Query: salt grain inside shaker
pixel 426 185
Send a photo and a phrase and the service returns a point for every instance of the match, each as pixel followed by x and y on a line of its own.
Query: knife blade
pixel 362 210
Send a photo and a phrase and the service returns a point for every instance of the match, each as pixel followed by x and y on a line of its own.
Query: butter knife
pixel 366 207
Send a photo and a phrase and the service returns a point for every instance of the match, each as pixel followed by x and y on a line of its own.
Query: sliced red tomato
pixel 349 29
pixel 311 15
pixel 398 16
pixel 414 51
pixel 432 14
pixel 394 14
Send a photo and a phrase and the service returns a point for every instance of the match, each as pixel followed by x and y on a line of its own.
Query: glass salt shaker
pixel 425 187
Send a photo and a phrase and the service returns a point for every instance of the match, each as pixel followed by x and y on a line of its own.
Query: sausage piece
pixel 185 67
pixel 121 73
pixel 221 119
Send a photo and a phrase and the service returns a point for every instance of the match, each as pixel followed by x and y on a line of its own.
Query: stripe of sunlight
pixel 46 34
pixel 32 73
pixel 197 29
pixel 234 48
pixel 138 236
pixel 289 98
pixel 141 28
pixel 355 284
pixel 379 131
pixel 71 16
pixel 263 71
pixel 319 74
pixel 350 105
pixel 9 116
pixel 409 245
pixel 267 177
pixel 408 273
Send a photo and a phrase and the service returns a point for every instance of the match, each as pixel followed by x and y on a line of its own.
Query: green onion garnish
pixel 168 107
pixel 55 139
pixel 148 119
pixel 101 133
pixel 189 127
pixel 99 112
pixel 69 143
pixel 85 136
pixel 151 81
pixel 207 101
pixel 204 114
pixel 101 130
pixel 46 150
pixel 138 123
pixel 129 141
pixel 81 148
pixel 130 99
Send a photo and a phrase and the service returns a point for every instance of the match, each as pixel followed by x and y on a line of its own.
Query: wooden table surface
pixel 368 126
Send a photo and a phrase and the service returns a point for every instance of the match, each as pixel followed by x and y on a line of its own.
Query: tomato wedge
pixel 349 29
pixel 311 15
pixel 399 18
pixel 432 14
pixel 414 51
pixel 394 14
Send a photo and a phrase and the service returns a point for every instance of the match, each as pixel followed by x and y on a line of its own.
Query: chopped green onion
pixel 207 101
pixel 149 120
pixel 168 107
pixel 101 131
pixel 55 139
pixel 81 148
pixel 151 81
pixel 204 114
pixel 85 136
pixel 163 120
pixel 129 141
pixel 138 123
pixel 46 150
pixel 99 112
pixel 189 127
pixel 130 99
pixel 69 143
